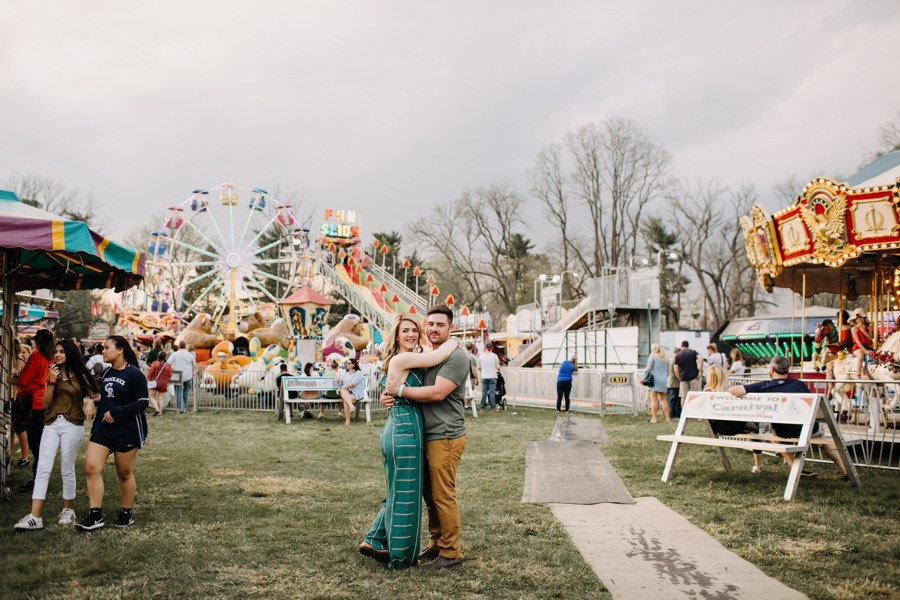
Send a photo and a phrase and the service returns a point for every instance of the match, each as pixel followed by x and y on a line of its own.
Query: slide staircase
pixel 367 299
pixel 572 319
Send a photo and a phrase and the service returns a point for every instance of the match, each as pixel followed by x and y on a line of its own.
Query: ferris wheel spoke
pixel 205 263
pixel 274 261
pixel 215 223
pixel 205 237
pixel 246 226
pixel 249 295
pixel 262 230
pixel 231 222
pixel 267 247
pixel 209 288
pixel 194 280
pixel 262 288
pixel 194 248
pixel 270 276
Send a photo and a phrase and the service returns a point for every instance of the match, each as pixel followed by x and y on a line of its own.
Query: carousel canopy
pixel 55 253
pixel 836 237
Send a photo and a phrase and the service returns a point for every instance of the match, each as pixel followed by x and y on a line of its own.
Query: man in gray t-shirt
pixel 442 399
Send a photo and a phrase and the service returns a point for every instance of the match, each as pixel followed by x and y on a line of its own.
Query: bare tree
pixel 474 246
pixel 712 246
pixel 787 189
pixel 548 184
pixel 888 138
pixel 55 197
pixel 617 171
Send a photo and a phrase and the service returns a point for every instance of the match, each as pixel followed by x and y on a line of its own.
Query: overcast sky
pixel 391 107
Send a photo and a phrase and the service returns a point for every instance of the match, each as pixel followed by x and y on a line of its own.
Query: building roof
pixel 884 170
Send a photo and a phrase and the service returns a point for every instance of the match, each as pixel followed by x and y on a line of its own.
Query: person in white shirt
pixel 490 365
pixel 94 360
pixel 183 362
pixel 737 362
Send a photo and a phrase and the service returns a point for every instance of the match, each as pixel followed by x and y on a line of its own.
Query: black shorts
pixel 115 441
pixel 20 414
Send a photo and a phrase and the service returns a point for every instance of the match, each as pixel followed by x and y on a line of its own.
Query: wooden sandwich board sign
pixel 797 409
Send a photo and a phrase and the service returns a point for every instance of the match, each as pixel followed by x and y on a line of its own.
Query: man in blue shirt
pixel 564 381
pixel 780 383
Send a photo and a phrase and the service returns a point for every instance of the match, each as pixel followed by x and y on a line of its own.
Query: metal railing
pixel 401 289
pixel 371 312
pixel 868 415
pixel 592 390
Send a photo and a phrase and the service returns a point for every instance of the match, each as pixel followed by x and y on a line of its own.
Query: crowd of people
pixel 671 378
pixel 58 387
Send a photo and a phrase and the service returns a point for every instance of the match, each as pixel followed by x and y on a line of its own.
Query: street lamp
pixel 537 307
pixel 668 255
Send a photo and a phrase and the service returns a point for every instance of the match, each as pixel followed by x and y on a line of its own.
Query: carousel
pixel 843 239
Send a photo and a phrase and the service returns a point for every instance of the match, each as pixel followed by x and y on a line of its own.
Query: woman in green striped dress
pixel 395 535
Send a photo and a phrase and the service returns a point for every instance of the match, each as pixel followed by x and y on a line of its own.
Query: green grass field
pixel 236 505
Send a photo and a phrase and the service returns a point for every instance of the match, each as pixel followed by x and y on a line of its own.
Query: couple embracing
pixel 421 444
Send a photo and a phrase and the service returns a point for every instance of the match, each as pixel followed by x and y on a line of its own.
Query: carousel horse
pixel 826 335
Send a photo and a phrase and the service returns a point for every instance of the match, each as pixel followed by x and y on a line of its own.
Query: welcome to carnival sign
pixel 340 224
pixel 769 408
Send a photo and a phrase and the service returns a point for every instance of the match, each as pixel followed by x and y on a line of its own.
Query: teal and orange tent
pixel 40 250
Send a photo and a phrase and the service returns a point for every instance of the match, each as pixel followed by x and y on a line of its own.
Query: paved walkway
pixel 647 550
pixel 641 550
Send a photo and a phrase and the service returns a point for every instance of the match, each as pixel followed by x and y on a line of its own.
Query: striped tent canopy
pixel 54 253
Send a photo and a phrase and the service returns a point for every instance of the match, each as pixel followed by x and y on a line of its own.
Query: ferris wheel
pixel 225 249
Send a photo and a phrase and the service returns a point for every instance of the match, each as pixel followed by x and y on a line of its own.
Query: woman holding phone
pixel 67 401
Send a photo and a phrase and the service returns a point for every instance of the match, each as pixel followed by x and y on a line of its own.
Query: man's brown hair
pixel 440 309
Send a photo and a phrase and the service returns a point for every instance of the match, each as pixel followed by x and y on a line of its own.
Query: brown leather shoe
pixel 442 562
pixel 428 555
pixel 382 556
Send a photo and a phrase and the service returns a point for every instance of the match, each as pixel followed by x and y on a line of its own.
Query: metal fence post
pixel 603 394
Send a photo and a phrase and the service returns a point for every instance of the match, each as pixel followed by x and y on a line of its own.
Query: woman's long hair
pixel 392 344
pixel 736 355
pixel 716 380
pixel 658 349
pixel 43 343
pixel 123 345
pixel 75 366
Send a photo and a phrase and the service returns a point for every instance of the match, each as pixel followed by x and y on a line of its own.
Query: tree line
pixel 611 195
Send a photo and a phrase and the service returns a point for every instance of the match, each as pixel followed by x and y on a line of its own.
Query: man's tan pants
pixel 441 461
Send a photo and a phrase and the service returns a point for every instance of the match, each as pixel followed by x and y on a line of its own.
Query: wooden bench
pixel 796 409
pixel 312 390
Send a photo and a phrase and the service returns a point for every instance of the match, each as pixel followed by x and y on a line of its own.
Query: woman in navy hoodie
pixel 120 429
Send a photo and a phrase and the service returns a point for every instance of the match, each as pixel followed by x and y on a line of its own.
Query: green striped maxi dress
pixel 398 525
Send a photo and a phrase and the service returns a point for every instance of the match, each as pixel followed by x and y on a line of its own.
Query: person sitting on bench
pixel 779 383
pixel 716 381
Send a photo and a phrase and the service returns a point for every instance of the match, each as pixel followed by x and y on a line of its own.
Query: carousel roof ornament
pixel 835 233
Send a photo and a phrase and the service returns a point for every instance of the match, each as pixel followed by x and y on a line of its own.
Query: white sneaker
pixel 756 470
pixel 29 521
pixel 67 517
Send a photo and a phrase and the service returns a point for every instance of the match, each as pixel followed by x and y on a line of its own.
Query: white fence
pixel 593 390
pixel 210 390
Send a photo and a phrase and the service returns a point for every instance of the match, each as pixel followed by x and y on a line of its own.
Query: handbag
pixel 151 385
pixel 648 379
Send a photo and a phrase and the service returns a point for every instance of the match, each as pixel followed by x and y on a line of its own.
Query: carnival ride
pixel 842 238
pixel 242 329
pixel 230 240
